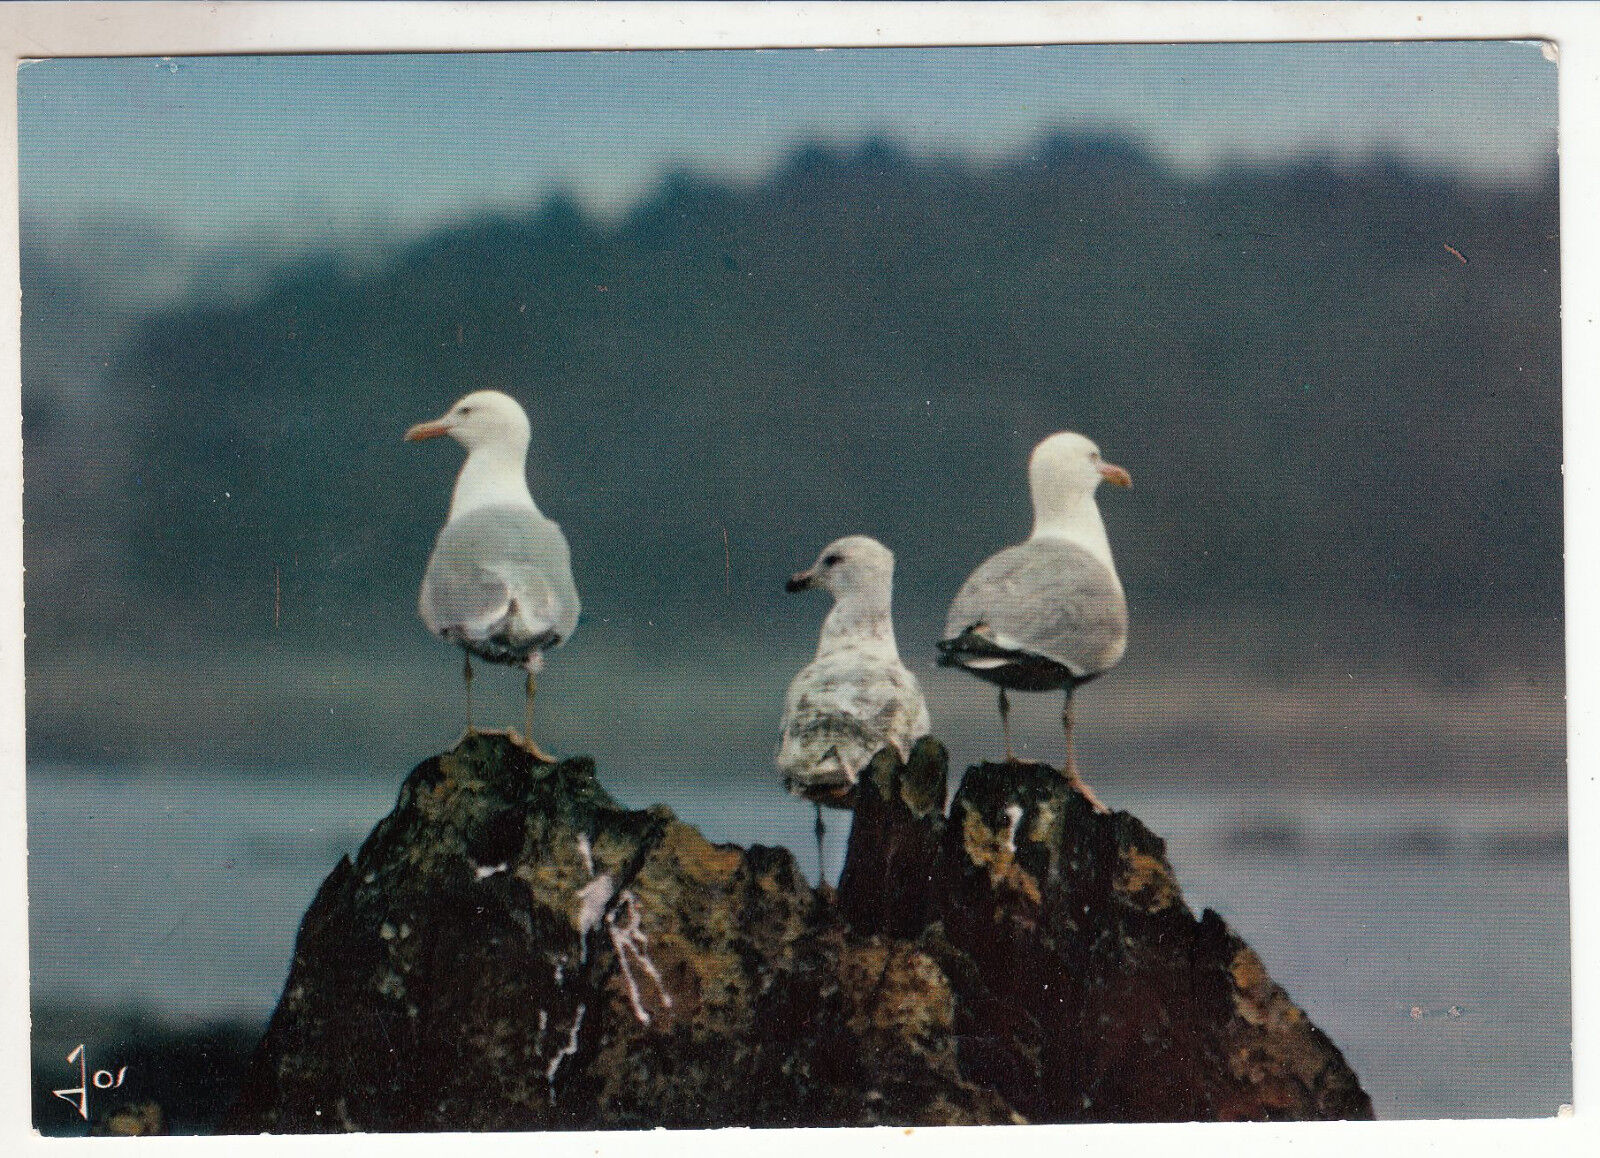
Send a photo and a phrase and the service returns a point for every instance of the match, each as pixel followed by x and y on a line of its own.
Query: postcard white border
pixel 124 29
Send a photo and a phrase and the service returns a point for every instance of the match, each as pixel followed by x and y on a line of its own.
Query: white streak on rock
pixel 592 901
pixel 593 898
pixel 630 940
pixel 624 925
pixel 1014 812
pixel 563 1053
pixel 484 872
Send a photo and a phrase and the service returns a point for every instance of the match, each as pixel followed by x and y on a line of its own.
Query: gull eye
pixel 466 410
pixel 833 560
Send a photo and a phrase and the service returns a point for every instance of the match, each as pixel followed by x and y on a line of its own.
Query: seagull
pixel 1048 613
pixel 499 581
pixel 856 697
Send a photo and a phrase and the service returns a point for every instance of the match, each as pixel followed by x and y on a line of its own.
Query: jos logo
pixel 102 1080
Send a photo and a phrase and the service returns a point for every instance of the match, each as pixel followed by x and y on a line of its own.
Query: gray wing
pixel 489 559
pixel 1046 598
pixel 842 711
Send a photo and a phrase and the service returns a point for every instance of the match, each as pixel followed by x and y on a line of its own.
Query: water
pixel 1426 933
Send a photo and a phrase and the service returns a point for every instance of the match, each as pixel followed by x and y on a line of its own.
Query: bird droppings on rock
pixel 1071 983
pixel 1014 814
pixel 564 1052
pixel 625 926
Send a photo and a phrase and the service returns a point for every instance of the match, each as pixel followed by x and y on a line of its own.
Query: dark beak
pixel 799 581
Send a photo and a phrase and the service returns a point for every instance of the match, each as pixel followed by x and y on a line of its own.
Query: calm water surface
pixel 1427 934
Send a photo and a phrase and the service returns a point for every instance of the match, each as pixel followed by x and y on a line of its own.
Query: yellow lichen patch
pixel 1147 880
pixel 993 850
pixel 1248 972
pixel 1257 997
pixel 1044 823
pixel 434 800
pixel 899 990
pixel 608 852
pixel 985 847
pixel 1023 883
pixel 685 880
pixel 701 861
pixel 552 877
pixel 691 928
pixel 1249 975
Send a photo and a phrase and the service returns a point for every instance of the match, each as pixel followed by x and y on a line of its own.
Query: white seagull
pixel 1048 613
pixel 856 697
pixel 499 581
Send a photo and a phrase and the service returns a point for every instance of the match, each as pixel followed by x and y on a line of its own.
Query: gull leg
pixel 527 708
pixel 1005 725
pixel 530 687
pixel 1072 764
pixel 1066 726
pixel 821 831
pixel 466 675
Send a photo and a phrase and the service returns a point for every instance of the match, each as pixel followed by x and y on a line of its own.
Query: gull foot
pixel 526 744
pixel 1086 792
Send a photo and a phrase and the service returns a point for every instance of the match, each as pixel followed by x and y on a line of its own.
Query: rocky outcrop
pixel 511 949
pixel 1086 990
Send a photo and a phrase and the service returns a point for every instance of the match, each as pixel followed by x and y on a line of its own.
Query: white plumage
pixel 856 698
pixel 1049 612
pixel 499 581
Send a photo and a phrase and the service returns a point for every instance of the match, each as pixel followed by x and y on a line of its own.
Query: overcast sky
pixel 210 147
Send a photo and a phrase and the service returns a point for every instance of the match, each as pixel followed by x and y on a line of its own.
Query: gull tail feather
pixel 972 648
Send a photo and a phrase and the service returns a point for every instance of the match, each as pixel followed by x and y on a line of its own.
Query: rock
pixel 132 1120
pixel 1087 990
pixel 887 885
pixel 511 949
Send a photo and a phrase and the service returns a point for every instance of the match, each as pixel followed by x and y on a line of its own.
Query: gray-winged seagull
pixel 856 697
pixel 1048 613
pixel 499 581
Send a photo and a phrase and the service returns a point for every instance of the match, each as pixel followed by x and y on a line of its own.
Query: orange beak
pixel 427 430
pixel 1115 475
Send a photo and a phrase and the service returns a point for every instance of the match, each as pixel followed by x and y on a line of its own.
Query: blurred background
pixel 1306 294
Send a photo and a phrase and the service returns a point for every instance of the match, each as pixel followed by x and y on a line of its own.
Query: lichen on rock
pixel 512 949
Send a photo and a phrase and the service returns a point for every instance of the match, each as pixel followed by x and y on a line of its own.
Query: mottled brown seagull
pixel 855 698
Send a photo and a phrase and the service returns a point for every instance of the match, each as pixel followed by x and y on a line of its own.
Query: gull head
pixel 1067 466
pixel 482 418
pixel 847 566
